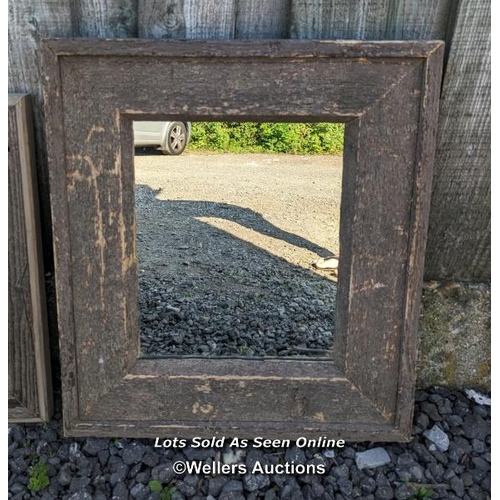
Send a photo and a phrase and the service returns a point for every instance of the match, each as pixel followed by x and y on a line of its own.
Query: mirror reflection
pixel 237 237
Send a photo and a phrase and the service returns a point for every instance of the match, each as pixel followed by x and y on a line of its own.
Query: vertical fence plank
pixel 340 19
pixel 418 20
pixel 106 18
pixel 459 244
pixel 370 19
pixel 161 19
pixel 262 19
pixel 29 22
pixel 187 19
pixel 210 18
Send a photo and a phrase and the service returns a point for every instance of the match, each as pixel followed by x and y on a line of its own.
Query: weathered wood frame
pixel 30 386
pixel 387 94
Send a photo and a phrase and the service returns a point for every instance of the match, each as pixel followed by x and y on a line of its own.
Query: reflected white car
pixel 170 137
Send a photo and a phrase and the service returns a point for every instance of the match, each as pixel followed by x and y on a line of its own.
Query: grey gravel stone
pixel 231 495
pixel 437 436
pixel 345 486
pixel 340 471
pixel 133 453
pixel 480 463
pixel 150 459
pixel 318 489
pixel 93 446
pixel 99 495
pixel 421 420
pixel 417 473
pixel 177 495
pixel 81 495
pixel 216 484
pixel 49 435
pixel 65 476
pixel 457 485
pixel 18 433
pixel 291 492
pixel 458 448
pixel 376 457
pixel 163 472
pixel 120 492
pixel 233 485
pixel 120 474
pixel 103 456
pixel 18 466
pixel 254 482
pixel 295 455
pixel 478 446
pixel 384 493
pixel 79 483
pixel 475 427
pixel 368 485
pixel 17 488
pixel 404 492
pixel 270 495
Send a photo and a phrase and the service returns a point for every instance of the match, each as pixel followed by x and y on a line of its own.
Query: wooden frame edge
pixel 22 106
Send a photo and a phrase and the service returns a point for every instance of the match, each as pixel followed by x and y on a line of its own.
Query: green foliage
pixel 39 478
pixel 249 137
pixel 157 487
pixel 423 493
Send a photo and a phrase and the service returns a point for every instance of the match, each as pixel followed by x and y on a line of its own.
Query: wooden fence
pixel 459 237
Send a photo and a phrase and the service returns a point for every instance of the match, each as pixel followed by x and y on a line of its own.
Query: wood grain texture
pixel 422 20
pixel 29 22
pixel 106 18
pixel 161 19
pixel 380 233
pixel 390 123
pixel 30 398
pixel 210 19
pixel 459 231
pixel 371 19
pixel 338 19
pixel 262 19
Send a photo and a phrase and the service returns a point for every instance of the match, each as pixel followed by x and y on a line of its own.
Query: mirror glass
pixel 237 237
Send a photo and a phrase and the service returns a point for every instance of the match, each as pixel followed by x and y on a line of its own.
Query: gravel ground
pixel 448 458
pixel 225 246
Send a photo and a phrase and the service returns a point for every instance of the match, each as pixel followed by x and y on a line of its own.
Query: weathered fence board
pixel 161 19
pixel 459 233
pixel 261 19
pixel 106 19
pixel 30 387
pixel 340 19
pixel 459 245
pixel 371 19
pixel 29 22
pixel 422 20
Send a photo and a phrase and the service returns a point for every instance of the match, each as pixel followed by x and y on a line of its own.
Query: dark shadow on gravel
pixel 203 291
pixel 145 151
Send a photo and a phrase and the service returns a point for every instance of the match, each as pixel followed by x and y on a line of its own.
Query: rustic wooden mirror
pixel 385 92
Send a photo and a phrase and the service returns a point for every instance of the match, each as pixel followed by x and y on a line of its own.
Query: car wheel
pixel 176 139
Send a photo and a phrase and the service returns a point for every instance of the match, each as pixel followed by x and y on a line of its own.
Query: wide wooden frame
pixel 30 382
pixel 386 92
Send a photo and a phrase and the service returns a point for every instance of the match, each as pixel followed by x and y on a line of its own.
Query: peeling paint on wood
pixel 364 393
